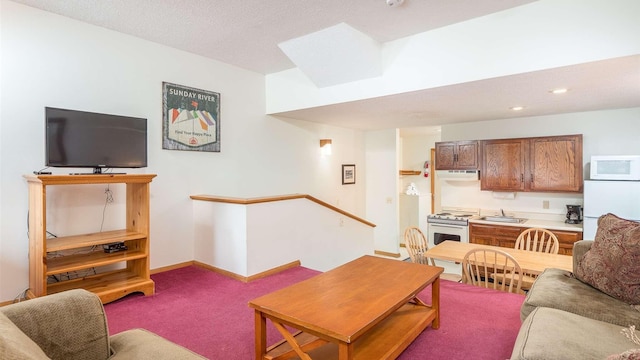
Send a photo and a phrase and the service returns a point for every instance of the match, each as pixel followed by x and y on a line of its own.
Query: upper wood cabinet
pixel 503 164
pixel 541 164
pixel 555 163
pixel 457 155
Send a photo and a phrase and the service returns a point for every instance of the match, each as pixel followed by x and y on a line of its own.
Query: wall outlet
pixel 545 204
pixel 389 200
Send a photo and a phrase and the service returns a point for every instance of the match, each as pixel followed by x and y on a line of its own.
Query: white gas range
pixel 450 224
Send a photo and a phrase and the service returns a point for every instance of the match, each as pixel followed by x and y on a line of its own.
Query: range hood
pixel 459 175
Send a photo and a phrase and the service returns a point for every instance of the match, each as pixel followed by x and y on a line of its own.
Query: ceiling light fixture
pixel 559 91
pixel 517 108
pixel 394 3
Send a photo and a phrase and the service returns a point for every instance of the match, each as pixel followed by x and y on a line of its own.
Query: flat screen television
pixel 81 139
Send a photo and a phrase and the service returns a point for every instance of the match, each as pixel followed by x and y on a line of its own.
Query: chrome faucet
pixel 502 212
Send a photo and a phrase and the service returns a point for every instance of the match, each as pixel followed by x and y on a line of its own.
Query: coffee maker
pixel 574 214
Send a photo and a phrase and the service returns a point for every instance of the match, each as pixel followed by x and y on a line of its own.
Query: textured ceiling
pixel 246 33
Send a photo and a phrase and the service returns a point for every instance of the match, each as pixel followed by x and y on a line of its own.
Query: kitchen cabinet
pixel 503 164
pixel 494 235
pixel 505 236
pixel 457 155
pixel 566 240
pixel 540 164
pixel 555 164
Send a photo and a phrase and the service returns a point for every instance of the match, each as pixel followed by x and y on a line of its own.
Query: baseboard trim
pixel 275 270
pixel 384 253
pixel 247 279
pixel 172 267
pixel 5 303
pixel 208 267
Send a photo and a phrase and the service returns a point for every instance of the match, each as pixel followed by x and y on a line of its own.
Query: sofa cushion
pixel 554 334
pixel 627 355
pixel 142 344
pixel 556 288
pixel 69 325
pixel 14 344
pixel 612 265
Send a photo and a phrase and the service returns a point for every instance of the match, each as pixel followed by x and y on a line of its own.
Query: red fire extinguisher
pixel 426 169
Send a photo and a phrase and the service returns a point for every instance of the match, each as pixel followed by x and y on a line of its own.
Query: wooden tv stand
pixel 132 265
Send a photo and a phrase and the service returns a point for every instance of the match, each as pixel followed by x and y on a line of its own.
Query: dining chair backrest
pixel 416 244
pixel 492 269
pixel 538 240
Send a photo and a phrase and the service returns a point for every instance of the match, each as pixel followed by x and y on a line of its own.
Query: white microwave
pixel 615 167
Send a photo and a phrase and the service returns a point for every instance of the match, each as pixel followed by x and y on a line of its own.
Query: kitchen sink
pixel 504 219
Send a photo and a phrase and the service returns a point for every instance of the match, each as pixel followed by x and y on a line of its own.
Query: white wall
pixel 250 239
pixel 607 132
pixel 382 167
pixel 49 60
pixel 415 150
pixel 413 210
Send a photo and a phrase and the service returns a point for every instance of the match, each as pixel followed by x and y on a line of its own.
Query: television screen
pixel 91 140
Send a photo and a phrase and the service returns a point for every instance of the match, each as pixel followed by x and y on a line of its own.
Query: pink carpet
pixel 208 313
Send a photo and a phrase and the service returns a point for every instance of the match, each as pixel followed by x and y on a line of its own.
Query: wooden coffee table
pixel 365 309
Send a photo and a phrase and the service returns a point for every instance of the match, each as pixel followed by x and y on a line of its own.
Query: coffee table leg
pixel 261 335
pixel 435 302
pixel 345 351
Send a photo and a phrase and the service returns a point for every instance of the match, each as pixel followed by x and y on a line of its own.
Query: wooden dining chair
pixel 538 240
pixel 492 269
pixel 417 246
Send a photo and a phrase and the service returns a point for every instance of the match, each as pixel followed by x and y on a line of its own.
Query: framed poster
pixel 190 118
pixel 348 174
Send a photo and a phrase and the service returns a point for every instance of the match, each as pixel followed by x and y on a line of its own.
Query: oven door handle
pixel 449 226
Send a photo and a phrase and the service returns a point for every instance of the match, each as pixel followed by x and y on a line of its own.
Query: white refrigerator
pixel 621 198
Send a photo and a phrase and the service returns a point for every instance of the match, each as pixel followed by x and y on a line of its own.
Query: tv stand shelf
pixel 132 265
pixel 95 239
pixel 58 265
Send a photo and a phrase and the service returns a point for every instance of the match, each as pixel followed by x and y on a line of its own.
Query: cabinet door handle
pixel 521 177
pixel 532 178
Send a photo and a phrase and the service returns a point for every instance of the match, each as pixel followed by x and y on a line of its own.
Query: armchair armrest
pixel 579 249
pixel 67 325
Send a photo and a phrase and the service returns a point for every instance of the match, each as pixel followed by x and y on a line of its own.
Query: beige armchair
pixel 72 325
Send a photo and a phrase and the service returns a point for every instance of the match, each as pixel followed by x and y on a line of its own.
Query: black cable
pixel 108 200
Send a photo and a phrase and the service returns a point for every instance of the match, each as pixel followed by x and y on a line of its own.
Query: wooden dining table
pixel 530 262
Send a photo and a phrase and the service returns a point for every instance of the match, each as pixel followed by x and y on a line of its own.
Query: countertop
pixel 530 223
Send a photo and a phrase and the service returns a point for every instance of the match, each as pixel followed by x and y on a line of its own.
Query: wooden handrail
pixel 249 201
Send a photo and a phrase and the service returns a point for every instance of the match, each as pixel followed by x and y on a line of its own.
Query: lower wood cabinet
pixel 505 236
pixel 566 240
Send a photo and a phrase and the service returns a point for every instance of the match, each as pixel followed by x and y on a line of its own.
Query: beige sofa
pixel 566 318
pixel 72 325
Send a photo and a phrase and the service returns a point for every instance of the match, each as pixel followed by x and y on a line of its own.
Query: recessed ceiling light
pixel 559 91
pixel 517 108
pixel 394 3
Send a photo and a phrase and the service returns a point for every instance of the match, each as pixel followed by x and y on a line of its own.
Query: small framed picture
pixel 348 174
